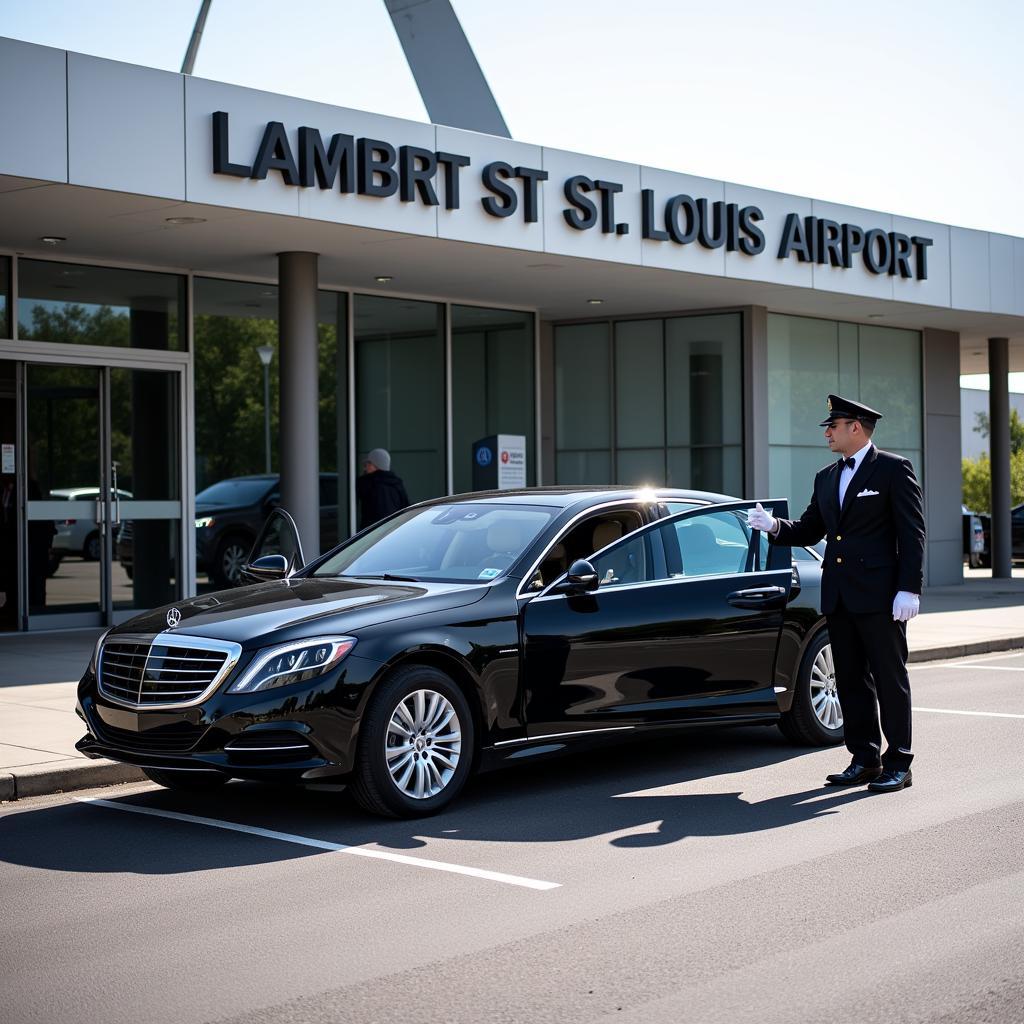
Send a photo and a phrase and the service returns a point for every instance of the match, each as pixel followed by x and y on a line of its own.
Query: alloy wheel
pixel 824 694
pixel 232 561
pixel 423 744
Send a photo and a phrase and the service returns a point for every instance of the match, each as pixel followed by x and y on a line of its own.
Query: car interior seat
pixel 701 553
pixel 504 543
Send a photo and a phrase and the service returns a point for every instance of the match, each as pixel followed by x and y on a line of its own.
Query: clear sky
pixel 905 106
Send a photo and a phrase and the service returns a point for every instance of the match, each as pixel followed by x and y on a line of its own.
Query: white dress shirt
pixel 846 473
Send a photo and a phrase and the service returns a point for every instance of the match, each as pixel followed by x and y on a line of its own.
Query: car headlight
pixel 293 663
pixel 204 521
pixel 94 661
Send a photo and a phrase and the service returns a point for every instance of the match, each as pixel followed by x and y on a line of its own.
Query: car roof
pixel 580 495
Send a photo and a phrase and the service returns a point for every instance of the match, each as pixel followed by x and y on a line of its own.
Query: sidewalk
pixel 39 674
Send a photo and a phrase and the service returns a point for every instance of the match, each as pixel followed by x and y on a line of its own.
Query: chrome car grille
pixel 165 670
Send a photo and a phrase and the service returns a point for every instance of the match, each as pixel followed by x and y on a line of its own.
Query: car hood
pixel 284 609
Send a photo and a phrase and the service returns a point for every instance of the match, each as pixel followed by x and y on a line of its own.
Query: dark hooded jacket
pixel 379 494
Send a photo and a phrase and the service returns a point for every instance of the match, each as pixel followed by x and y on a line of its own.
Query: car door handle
pixel 756 597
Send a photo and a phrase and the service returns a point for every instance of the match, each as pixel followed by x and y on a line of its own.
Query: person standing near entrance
pixel 379 491
pixel 868 507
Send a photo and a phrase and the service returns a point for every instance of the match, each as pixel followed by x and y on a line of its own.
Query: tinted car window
pixel 628 562
pixel 718 542
pixel 459 542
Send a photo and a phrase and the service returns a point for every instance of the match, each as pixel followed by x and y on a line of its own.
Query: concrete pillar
pixel 999 441
pixel 941 474
pixel 300 440
pixel 755 405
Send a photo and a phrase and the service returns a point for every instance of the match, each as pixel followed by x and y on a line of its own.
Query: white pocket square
pixel 866 493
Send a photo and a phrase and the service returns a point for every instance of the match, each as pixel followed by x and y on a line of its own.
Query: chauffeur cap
pixel 847 409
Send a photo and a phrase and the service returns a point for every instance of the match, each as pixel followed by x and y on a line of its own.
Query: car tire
pixel 398 779
pixel 815 717
pixel 228 559
pixel 91 547
pixel 53 561
pixel 186 782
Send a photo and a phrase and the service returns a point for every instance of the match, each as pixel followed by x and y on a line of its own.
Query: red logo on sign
pixel 504 456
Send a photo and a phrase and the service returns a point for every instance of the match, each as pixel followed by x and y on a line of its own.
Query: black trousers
pixel 870 655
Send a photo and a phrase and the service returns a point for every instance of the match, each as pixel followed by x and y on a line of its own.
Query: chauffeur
pixel 868 507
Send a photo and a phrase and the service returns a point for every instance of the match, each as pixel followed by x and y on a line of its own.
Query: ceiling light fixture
pixel 594 302
pixel 383 279
pixel 52 239
pixel 184 220
pixel 875 316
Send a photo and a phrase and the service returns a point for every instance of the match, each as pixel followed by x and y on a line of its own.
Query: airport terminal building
pixel 200 282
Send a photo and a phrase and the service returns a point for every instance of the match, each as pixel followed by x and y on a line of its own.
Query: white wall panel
pixel 249 111
pixel 934 290
pixel 471 223
pixel 591 243
pixel 33 111
pixel 857 280
pixel 767 267
pixel 125 127
pixel 1001 274
pixel 669 254
pixel 1018 276
pixel 968 269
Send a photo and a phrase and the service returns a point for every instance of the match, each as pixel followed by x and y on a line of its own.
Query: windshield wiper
pixel 379 576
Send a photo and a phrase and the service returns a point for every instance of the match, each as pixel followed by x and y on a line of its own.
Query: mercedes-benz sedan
pixel 466 633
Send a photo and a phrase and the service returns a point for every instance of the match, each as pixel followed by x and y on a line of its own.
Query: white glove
pixel 758 519
pixel 905 606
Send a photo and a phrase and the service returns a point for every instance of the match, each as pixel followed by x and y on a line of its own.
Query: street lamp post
pixel 266 353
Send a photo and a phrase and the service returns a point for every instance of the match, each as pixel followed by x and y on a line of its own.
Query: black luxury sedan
pixel 466 633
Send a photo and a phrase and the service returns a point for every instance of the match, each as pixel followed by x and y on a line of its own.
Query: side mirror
pixel 277 552
pixel 269 567
pixel 581 578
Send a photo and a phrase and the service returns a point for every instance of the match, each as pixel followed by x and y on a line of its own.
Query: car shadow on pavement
pixel 611 792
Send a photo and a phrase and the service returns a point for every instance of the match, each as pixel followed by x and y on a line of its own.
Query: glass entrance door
pixel 102 486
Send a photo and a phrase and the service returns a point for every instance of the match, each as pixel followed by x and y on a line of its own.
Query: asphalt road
pixel 704 878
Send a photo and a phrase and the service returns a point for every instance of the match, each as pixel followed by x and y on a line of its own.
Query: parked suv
pixel 229 514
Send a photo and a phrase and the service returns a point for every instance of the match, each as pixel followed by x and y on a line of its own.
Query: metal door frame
pixel 104 359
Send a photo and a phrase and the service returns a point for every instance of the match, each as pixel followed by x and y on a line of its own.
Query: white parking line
pixel 320 844
pixel 982 714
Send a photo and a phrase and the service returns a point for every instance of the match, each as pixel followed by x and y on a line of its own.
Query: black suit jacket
pixel 875 542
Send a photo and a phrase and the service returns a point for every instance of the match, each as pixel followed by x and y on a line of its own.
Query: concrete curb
pixel 61 776
pixel 1007 643
pixel 74 773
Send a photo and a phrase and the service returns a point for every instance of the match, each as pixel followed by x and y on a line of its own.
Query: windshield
pixel 240 491
pixel 457 543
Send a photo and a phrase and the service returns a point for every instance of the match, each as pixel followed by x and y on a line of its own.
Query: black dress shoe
pixel 892 781
pixel 855 775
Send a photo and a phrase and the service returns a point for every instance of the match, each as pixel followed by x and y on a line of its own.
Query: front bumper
pixel 304 734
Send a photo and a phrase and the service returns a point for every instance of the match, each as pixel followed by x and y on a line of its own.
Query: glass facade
pixel 655 401
pixel 5 291
pixel 492 384
pixel 809 359
pixel 400 389
pixel 74 304
pixel 233 320
pixel 332 342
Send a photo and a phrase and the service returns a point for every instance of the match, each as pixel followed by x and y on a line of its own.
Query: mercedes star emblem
pixel 173 617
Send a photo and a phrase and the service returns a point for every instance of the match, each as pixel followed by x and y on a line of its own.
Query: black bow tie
pixel 851 462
